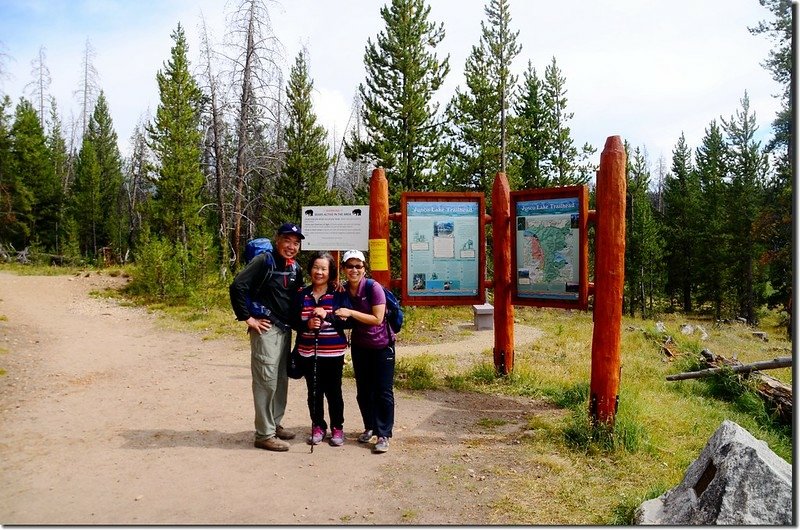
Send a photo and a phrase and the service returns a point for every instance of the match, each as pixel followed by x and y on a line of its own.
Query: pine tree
pixel 566 165
pixel 15 198
pixel 747 168
pixel 474 128
pixel 96 202
pixel 713 271
pixel 31 162
pixel 176 139
pixel 109 160
pixel 682 222
pixel 403 75
pixel 775 221
pixel 478 115
pixel 86 204
pixel 502 47
pixel 531 147
pixel 643 248
pixel 304 179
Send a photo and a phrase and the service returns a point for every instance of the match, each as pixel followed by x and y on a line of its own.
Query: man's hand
pixel 259 325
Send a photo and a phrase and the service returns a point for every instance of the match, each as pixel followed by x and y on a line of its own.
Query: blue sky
pixel 647 70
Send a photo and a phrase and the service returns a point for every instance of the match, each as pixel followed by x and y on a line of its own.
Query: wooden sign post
pixel 503 310
pixel 609 274
pixel 379 227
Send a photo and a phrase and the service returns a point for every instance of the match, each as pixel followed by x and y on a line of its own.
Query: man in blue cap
pixel 271 281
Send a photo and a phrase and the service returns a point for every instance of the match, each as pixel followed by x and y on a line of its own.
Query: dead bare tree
pixel 4 60
pixel 352 170
pixel 256 73
pixel 215 140
pixel 89 87
pixel 136 175
pixel 40 84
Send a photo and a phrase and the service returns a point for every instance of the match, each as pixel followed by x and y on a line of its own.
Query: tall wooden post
pixel 379 227
pixel 609 273
pixel 503 310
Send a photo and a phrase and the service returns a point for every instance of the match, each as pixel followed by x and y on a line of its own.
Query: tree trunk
pixel 244 117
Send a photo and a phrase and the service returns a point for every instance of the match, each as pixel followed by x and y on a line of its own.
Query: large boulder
pixel 736 480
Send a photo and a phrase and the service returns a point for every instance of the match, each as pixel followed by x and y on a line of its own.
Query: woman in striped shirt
pixel 321 344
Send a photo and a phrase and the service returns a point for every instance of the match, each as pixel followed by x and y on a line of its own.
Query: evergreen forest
pixel 234 148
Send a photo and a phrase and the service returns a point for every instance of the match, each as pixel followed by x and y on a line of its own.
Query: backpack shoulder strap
pixel 368 288
pixel 269 264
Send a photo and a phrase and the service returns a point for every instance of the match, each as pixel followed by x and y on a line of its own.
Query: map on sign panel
pixel 547 249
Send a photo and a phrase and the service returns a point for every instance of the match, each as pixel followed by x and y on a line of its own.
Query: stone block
pixel 483 316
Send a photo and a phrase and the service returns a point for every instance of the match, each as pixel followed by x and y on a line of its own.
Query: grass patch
pixel 409 515
pixel 660 428
pixel 491 423
pixel 623 513
pixel 434 325
pixel 415 373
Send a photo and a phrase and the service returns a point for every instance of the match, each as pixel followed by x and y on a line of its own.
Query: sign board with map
pixel 550 248
pixel 443 256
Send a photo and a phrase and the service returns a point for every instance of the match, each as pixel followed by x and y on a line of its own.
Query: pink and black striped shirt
pixel 330 343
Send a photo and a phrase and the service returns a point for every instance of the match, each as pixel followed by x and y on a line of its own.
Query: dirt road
pixel 108 418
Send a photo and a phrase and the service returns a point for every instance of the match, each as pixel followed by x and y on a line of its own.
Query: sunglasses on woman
pixel 356 266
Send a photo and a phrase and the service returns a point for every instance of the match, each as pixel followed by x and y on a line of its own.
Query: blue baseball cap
pixel 290 229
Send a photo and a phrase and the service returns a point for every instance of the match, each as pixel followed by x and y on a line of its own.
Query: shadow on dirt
pixel 467 416
pixel 165 438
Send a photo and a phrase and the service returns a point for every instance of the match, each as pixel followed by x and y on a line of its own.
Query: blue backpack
pixel 394 311
pixel 255 247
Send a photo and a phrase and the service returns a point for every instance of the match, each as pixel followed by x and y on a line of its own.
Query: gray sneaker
pixel 382 446
pixel 365 436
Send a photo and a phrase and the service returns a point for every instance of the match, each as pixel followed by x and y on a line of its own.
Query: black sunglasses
pixel 357 266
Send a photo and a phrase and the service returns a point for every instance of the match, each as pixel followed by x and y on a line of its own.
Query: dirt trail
pixel 107 418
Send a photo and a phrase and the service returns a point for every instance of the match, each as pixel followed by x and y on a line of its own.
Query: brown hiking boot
pixel 272 444
pixel 284 434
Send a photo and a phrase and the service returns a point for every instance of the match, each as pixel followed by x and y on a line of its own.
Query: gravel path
pixel 107 418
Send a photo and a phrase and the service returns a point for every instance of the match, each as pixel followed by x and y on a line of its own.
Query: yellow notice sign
pixel 378 255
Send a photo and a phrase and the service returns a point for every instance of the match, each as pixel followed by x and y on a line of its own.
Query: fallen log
pixel 780 362
pixel 776 394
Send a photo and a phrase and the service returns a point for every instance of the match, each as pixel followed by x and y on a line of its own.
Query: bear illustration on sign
pixel 357 211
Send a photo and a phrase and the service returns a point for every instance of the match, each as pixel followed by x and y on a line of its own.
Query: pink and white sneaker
pixel 337 437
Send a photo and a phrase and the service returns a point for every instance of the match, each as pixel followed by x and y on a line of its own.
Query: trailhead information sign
pixel 443 234
pixel 335 227
pixel 548 247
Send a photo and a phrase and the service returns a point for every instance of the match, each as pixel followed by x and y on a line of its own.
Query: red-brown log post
pixel 609 278
pixel 379 227
pixel 503 310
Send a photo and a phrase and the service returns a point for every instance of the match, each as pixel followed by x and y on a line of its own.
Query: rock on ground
pixel 736 480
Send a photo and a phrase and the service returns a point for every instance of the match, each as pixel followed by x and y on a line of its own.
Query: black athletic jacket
pixel 276 291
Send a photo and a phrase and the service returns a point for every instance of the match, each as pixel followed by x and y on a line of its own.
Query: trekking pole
pixel 314 386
